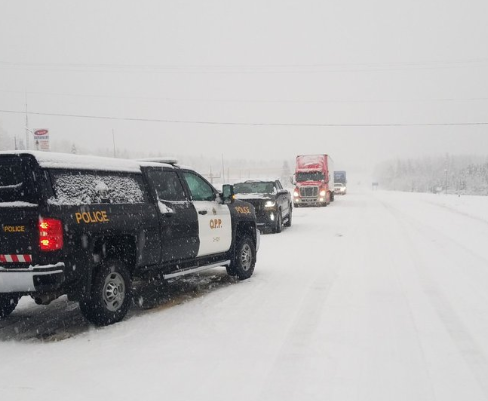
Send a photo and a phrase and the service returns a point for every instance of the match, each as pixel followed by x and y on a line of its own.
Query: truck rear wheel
pixel 244 259
pixel 290 215
pixel 8 303
pixel 279 223
pixel 110 296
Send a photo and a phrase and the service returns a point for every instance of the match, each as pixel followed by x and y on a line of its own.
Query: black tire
pixel 111 294
pixel 332 196
pixel 244 260
pixel 8 303
pixel 279 223
pixel 290 217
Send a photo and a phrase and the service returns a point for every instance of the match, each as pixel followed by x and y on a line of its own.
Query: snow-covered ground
pixel 381 296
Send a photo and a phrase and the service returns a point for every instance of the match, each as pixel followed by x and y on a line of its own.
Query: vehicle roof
pixel 83 162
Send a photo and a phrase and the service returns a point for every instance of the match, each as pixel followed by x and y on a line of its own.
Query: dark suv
pixel 87 226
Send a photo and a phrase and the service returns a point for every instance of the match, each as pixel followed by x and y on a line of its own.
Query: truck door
pixel 177 215
pixel 214 221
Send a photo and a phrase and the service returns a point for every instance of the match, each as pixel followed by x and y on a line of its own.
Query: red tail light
pixel 50 234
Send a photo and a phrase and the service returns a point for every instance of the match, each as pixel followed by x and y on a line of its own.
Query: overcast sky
pixel 338 64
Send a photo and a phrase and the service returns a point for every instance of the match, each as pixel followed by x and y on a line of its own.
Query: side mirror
pixel 228 193
pixel 292 180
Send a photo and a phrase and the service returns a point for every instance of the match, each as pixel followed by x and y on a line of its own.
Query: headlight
pixel 270 204
pixel 322 193
pixel 296 194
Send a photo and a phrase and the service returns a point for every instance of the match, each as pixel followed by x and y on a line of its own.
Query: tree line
pixel 447 174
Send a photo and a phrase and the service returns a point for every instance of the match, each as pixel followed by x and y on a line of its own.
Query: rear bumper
pixel 32 279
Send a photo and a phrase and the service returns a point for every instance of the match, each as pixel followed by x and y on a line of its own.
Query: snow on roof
pixel 250 180
pixel 153 164
pixel 164 160
pixel 70 161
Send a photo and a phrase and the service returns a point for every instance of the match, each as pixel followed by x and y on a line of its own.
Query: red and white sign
pixel 41 139
pixel 42 133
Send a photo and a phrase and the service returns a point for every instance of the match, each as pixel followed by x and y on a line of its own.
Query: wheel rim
pixel 246 257
pixel 114 291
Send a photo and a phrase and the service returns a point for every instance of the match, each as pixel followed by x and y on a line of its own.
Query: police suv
pixel 88 226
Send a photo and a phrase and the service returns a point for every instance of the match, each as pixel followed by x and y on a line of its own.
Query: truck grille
pixel 309 191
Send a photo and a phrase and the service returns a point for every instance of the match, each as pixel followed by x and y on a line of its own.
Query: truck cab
pixel 314 180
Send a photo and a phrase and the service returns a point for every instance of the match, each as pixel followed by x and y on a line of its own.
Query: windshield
pixel 254 188
pixel 312 176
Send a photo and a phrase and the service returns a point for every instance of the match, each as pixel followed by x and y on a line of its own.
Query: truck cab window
pixel 199 188
pixel 167 185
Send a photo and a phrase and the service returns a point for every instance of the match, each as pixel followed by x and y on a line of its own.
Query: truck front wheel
pixel 244 259
pixel 110 297
pixel 8 303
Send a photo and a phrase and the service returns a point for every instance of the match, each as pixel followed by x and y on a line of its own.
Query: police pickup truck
pixel 88 226
pixel 272 203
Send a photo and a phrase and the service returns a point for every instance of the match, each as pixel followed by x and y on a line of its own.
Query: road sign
pixel 41 139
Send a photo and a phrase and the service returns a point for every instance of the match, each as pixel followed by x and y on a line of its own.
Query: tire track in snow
pixel 397 275
pixel 471 352
pixel 284 378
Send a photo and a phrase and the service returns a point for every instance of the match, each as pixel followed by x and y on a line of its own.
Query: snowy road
pixel 382 296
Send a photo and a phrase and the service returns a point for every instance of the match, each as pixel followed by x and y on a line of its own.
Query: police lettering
pixel 215 223
pixel 14 229
pixel 91 217
pixel 243 210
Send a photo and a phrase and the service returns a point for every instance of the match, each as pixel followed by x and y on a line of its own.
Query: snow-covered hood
pixel 253 196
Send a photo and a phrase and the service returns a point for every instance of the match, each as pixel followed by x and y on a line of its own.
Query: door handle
pixel 202 212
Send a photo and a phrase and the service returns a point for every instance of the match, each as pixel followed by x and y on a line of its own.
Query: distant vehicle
pixel 314 180
pixel 88 226
pixel 340 178
pixel 272 203
pixel 340 189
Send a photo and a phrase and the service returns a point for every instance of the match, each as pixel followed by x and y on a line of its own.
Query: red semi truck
pixel 314 180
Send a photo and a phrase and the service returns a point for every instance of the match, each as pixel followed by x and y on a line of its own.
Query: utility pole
pixel 27 131
pixel 223 170
pixel 113 139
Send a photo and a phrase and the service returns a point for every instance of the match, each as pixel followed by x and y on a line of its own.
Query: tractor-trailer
pixel 314 180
